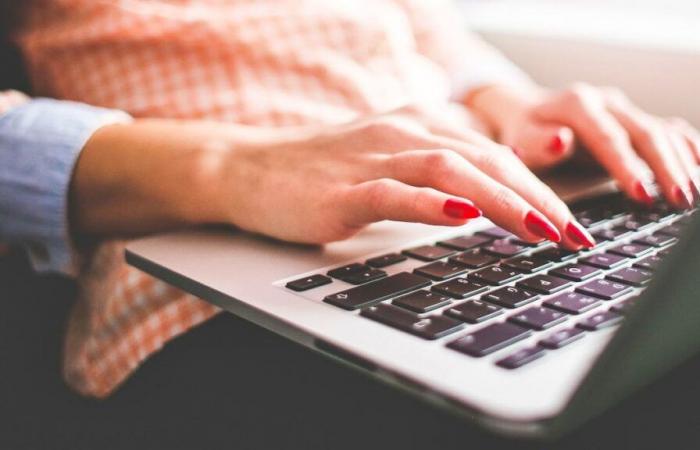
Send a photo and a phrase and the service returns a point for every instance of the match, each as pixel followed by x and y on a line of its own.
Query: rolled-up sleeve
pixel 40 142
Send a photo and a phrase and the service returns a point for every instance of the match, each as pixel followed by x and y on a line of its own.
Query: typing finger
pixel 650 138
pixel 449 172
pixel 388 199
pixel 584 110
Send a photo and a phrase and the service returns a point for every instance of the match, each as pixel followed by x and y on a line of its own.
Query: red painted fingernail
pixel 537 224
pixel 460 209
pixel 578 234
pixel 682 198
pixel 695 191
pixel 517 151
pixel 642 194
pixel 557 145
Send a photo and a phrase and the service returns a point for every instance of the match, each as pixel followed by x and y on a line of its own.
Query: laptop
pixel 525 339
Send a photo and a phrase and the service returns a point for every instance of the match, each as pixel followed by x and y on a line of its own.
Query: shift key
pixel 367 294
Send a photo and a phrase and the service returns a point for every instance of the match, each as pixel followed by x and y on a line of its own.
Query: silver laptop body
pixel 246 275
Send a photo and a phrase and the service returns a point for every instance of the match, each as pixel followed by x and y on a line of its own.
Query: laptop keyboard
pixel 513 289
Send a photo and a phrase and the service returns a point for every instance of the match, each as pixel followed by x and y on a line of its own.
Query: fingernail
pixel 695 191
pixel 537 224
pixel 682 198
pixel 557 145
pixel 460 209
pixel 642 194
pixel 517 151
pixel 580 235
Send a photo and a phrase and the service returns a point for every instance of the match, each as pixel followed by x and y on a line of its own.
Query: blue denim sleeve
pixel 40 142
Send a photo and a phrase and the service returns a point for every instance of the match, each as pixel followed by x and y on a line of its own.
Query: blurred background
pixel 638 45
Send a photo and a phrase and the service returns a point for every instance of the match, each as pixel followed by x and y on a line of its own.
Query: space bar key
pixel 367 294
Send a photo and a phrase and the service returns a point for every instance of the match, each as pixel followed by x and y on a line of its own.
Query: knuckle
pixel 441 162
pixel 412 109
pixel 552 205
pixel 580 94
pixel 493 162
pixel 394 125
pixel 375 129
pixel 505 154
pixel 604 139
pixel 502 198
pixel 421 198
pixel 650 133
pixel 377 191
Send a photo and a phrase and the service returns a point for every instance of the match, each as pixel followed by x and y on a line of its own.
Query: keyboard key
pixel 660 213
pixel 465 242
pixel 495 275
pixel 555 254
pixel 631 250
pixel 637 223
pixel 432 327
pixel 656 240
pixel 572 303
pixel 521 357
pixel 529 244
pixel 343 271
pixel 605 289
pixel 649 263
pixel 382 261
pixel 490 339
pixel 538 318
pixel 664 253
pixel 528 264
pixel 310 282
pixel 459 288
pixel 575 272
pixel 600 320
pixel 675 230
pixel 591 218
pixel 611 234
pixel 474 311
pixel 510 297
pixel 440 270
pixel 496 233
pixel 428 252
pixel 504 248
pixel 603 260
pixel 474 258
pixel 544 284
pixel 631 275
pixel 561 338
pixel 422 301
pixel 624 306
pixel 366 294
pixel 364 276
pixel 685 220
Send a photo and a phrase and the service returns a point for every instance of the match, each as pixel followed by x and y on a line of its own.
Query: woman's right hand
pixel 326 185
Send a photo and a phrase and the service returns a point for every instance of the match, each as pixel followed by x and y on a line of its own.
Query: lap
pixel 230 384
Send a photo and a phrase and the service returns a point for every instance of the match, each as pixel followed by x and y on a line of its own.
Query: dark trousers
pixel 229 384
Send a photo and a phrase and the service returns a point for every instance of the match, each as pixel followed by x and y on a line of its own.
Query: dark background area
pixel 230 384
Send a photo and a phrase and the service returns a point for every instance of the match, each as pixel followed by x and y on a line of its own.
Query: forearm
pixel 152 175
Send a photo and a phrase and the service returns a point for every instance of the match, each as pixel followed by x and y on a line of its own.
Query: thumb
pixel 543 145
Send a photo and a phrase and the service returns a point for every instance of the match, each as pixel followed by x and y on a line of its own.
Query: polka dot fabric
pixel 258 62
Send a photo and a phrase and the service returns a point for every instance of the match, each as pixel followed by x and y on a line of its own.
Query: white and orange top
pixel 257 62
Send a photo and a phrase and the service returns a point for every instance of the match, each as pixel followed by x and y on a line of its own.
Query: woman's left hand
pixel 635 147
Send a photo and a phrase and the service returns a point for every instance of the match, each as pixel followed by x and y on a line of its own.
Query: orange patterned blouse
pixel 258 62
